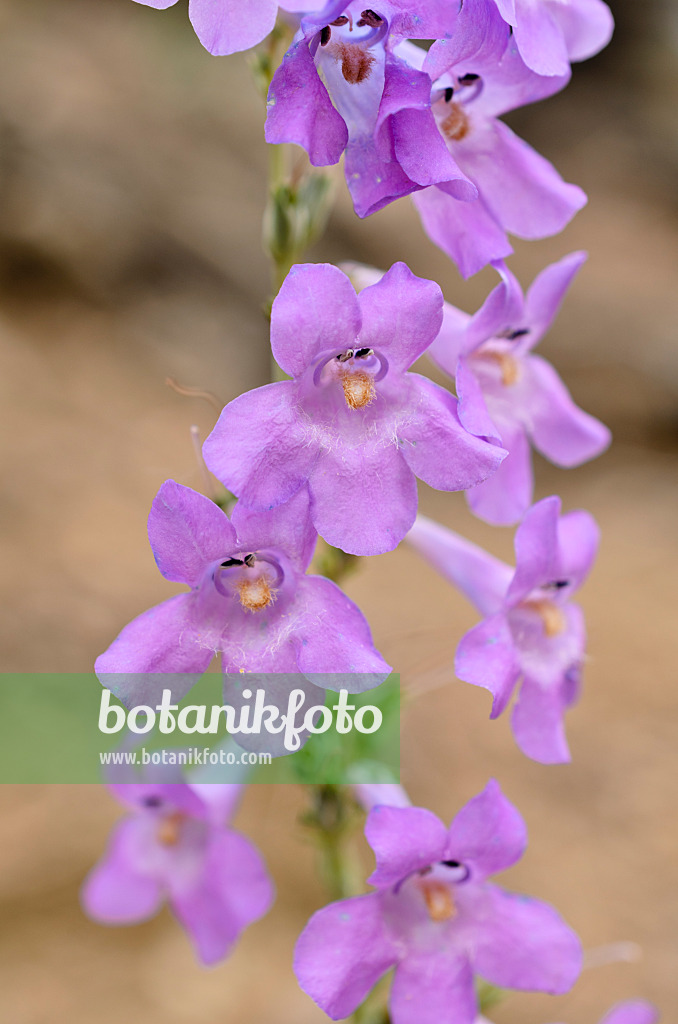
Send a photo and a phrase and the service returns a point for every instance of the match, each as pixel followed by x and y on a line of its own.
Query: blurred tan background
pixel 132 181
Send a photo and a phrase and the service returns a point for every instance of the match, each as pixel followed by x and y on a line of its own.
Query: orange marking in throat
pixel 356 62
pixel 169 829
pixel 551 615
pixel 510 368
pixel 439 901
pixel 359 389
pixel 456 125
pixel 255 594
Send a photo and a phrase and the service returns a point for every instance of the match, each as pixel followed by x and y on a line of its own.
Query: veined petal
pixel 480 36
pixel 546 294
pixel 363 500
pixel 486 656
pixel 559 429
pixel 539 38
pixel 187 532
pixel 315 311
pixel 536 545
pixel 503 309
pixel 404 840
pixel 488 834
pixel 232 890
pixel 401 315
pixel 467 232
pixel 578 540
pixel 116 891
pixel 450 343
pixel 523 943
pixel 333 640
pixel 537 723
pixel 436 446
pixel 287 528
pixel 342 953
pixel 160 5
pixel 433 987
pixel 301 111
pixel 472 407
pixel 480 576
pixel 523 191
pixel 229 26
pixel 161 649
pixel 634 1011
pixel 260 448
pixel 587 26
pixel 504 497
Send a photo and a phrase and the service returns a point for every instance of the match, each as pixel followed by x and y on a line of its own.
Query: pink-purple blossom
pixel 531 629
pixel 341 88
pixel 477 77
pixel 435 918
pixel 551 33
pixel 228 26
pixel 633 1011
pixel 352 423
pixel 250 600
pixel 511 396
pixel 176 845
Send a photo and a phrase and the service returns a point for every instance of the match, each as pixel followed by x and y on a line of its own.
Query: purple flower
pixel 551 33
pixel 352 422
pixel 635 1011
pixel 531 629
pixel 342 88
pixel 510 396
pixel 437 920
pixel 520 193
pixel 249 601
pixel 175 846
pixel 228 26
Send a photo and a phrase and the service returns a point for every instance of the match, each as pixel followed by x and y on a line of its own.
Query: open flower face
pixel 174 846
pixel 341 88
pixel 478 75
pixel 436 919
pixel 250 601
pixel 352 423
pixel 510 394
pixel 532 630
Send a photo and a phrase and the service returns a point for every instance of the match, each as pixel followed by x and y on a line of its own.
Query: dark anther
pixel 343 356
pixel 360 353
pixel 520 333
pixel 452 863
pixel 370 18
pixel 467 79
pixel 249 561
pixel 325 35
pixel 449 93
pixel 341 20
pixel 152 801
pixel 559 584
pixel 231 561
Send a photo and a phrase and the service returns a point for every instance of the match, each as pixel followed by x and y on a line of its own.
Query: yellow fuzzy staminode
pixel 255 594
pixel 359 389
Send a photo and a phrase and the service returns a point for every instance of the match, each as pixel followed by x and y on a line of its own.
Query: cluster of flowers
pixel 335 451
